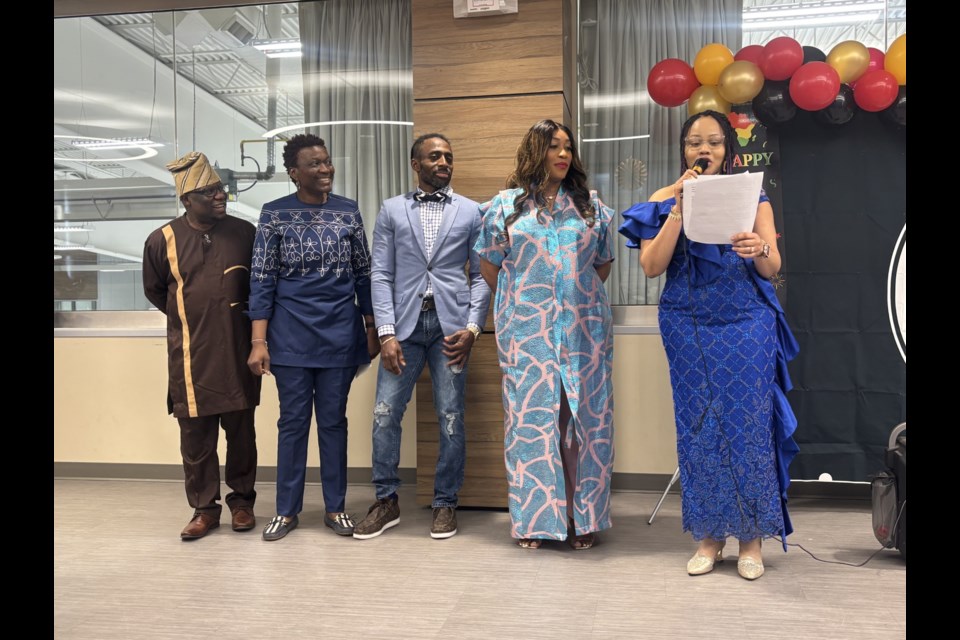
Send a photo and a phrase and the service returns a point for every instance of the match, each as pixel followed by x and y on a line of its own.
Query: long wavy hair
pixel 729 135
pixel 531 172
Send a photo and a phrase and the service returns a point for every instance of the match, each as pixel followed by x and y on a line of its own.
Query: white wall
pixel 110 407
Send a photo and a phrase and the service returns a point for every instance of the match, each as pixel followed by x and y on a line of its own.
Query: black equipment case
pixel 896 460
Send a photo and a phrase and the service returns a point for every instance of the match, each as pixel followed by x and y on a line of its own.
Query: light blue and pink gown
pixel 554 334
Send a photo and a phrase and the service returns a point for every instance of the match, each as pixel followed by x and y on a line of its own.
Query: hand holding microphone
pixel 697 169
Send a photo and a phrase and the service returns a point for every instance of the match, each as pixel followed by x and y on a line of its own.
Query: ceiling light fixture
pixel 115 143
pixel 811 9
pixel 813 21
pixel 276 45
pixel 331 123
pixel 284 54
pixel 813 14
pixel 148 152
pixel 641 137
pixel 288 48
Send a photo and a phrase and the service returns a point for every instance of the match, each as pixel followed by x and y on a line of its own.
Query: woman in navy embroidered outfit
pixel 727 345
pixel 312 326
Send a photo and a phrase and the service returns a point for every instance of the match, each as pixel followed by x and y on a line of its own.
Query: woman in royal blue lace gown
pixel 727 345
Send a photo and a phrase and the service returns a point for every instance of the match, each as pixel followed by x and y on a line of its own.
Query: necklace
pixel 546 209
pixel 550 201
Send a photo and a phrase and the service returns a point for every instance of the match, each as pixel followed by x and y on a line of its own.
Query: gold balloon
pixel 707 97
pixel 740 82
pixel 710 61
pixel 896 59
pixel 849 59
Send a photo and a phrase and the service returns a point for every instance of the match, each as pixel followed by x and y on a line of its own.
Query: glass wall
pixel 134 92
pixel 628 143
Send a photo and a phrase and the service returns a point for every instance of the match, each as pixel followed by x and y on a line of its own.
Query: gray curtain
pixel 357 66
pixel 621 40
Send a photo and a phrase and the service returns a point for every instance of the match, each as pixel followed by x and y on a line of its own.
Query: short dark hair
pixel 298 142
pixel 415 149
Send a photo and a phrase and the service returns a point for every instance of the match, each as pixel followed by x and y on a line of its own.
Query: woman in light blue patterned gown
pixel 545 248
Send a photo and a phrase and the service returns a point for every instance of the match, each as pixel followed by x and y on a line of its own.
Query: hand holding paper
pixel 717 207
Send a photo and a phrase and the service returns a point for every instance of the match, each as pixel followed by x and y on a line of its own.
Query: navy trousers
pixel 302 390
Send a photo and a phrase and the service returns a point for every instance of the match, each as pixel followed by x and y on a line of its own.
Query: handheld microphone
pixel 700 165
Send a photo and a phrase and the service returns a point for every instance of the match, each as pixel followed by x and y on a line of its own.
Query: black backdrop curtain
pixel 844 207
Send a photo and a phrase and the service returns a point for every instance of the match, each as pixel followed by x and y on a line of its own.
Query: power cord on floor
pixel 849 564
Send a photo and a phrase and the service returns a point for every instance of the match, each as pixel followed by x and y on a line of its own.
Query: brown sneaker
pixel 384 513
pixel 444 523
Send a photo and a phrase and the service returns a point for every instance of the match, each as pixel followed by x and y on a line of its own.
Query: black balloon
pixel 812 54
pixel 897 112
pixel 840 111
pixel 773 105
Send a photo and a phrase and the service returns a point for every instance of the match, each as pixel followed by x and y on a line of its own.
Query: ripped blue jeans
pixel 425 345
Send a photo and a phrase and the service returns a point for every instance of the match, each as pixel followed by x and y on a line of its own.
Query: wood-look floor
pixel 121 571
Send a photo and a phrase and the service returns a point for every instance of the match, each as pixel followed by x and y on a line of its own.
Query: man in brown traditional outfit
pixel 196 270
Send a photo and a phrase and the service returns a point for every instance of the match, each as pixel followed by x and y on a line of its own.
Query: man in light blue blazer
pixel 429 305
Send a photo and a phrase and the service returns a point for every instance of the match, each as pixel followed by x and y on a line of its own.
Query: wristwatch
pixel 475 330
pixel 765 251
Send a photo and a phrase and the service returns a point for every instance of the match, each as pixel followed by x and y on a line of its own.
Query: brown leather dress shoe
pixel 243 519
pixel 201 524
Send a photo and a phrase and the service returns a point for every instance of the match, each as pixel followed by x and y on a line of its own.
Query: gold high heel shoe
pixel 750 568
pixel 699 565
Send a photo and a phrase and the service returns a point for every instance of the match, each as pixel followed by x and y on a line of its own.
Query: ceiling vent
pixel 239 28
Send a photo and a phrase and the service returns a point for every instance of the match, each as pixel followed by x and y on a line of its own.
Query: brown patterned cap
pixel 192 172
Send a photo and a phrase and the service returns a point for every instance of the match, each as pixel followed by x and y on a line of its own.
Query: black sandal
pixel 582 542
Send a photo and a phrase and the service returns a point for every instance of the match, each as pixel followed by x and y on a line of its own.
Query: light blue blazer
pixel 401 270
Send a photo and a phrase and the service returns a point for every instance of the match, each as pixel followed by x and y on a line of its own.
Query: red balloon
pixel 750 53
pixel 671 82
pixel 876 90
pixel 781 57
pixel 815 85
pixel 876 62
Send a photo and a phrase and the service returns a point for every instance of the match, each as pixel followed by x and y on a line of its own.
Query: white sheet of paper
pixel 716 207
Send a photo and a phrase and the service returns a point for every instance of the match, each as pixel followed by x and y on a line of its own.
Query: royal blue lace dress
pixel 727 344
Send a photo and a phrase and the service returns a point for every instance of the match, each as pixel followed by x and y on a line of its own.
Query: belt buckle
pixel 427 304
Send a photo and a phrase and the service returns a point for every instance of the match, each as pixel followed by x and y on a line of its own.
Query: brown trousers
pixel 201 464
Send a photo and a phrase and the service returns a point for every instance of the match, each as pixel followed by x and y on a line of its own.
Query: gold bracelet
pixel 675 214
pixel 388 339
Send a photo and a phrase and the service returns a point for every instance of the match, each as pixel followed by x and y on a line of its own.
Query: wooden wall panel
pixel 486 55
pixel 482 82
pixel 485 483
pixel 484 133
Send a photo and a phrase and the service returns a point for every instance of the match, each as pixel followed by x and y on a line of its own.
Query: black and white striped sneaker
pixel 341 523
pixel 279 527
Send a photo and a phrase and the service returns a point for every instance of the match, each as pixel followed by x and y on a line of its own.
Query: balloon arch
pixel 780 77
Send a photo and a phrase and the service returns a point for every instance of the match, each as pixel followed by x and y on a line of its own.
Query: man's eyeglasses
pixel 696 143
pixel 211 191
